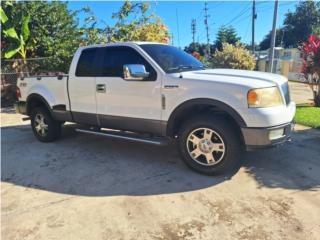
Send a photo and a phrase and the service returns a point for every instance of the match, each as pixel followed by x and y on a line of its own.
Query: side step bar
pixel 127 136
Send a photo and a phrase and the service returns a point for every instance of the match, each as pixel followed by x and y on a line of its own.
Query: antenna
pixel 178 27
pixel 172 37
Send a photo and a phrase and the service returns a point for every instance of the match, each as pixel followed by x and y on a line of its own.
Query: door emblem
pixel 171 86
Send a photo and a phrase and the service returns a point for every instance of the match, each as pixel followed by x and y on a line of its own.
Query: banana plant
pixel 17 42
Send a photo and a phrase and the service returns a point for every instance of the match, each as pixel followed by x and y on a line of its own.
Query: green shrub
pixel 233 56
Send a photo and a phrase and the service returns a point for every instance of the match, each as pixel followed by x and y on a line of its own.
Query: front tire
pixel 44 127
pixel 210 145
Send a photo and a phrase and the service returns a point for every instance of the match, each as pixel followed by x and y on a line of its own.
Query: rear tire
pixel 210 145
pixel 44 127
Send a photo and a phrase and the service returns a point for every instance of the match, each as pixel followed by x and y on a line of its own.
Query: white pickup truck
pixel 152 92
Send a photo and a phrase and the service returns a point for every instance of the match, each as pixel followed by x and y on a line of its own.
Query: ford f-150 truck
pixel 152 92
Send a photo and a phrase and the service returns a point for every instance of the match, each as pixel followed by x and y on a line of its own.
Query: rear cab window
pixel 87 66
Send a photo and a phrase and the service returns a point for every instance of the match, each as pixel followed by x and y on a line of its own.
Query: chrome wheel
pixel 205 146
pixel 40 124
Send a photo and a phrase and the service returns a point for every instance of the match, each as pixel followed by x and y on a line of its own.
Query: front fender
pixel 203 101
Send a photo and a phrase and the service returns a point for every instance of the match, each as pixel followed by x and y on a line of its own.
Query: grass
pixel 308 116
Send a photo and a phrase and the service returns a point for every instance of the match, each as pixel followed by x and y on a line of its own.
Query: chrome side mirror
pixel 134 72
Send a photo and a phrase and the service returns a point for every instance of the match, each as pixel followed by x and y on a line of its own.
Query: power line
pixel 281 4
pixel 199 16
pixel 244 17
pixel 245 9
pixel 219 4
pixel 244 13
pixel 203 32
pixel 239 15
pixel 202 35
pixel 199 20
pixel 262 2
pixel 247 30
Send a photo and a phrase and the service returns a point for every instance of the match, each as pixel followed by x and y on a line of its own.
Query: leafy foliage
pixel 18 40
pixel 53 31
pixel 298 25
pixel 301 23
pixel 310 53
pixel 233 56
pixel 265 43
pixel 198 47
pixel 91 34
pixel 226 35
pixel 49 29
pixel 143 27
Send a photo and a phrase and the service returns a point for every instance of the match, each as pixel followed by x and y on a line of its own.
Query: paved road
pixel 90 187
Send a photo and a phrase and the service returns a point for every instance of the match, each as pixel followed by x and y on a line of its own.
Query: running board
pixel 127 136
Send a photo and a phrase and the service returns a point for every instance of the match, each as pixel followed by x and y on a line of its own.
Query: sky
pixel 177 15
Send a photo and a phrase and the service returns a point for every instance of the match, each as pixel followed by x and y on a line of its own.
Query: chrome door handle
pixel 101 88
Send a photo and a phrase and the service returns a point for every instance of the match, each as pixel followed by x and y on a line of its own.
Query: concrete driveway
pixel 301 93
pixel 91 187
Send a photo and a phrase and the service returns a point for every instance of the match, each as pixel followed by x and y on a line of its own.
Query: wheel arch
pixel 201 105
pixel 36 100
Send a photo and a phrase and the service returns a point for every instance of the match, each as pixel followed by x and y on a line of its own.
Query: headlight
pixel 264 97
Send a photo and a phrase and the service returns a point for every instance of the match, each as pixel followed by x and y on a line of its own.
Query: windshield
pixel 172 59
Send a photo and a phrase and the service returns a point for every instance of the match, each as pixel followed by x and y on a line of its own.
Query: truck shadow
pixel 295 165
pixel 88 165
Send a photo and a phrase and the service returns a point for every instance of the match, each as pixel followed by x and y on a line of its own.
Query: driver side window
pixel 114 58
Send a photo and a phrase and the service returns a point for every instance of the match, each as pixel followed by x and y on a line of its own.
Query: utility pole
pixel 178 27
pixel 193 30
pixel 273 36
pixel 206 16
pixel 254 16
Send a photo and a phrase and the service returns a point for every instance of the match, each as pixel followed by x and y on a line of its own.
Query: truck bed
pixel 53 87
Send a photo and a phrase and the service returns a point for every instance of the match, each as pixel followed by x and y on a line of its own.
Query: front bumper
pixel 256 138
pixel 20 107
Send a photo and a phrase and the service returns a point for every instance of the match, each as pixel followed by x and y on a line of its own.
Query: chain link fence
pixel 12 69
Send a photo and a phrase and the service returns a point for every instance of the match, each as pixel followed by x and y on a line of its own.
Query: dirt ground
pixel 91 187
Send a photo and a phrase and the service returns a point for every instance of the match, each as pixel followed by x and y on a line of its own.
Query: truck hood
pixel 252 79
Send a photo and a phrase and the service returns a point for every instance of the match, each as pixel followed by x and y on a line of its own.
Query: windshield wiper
pixel 182 67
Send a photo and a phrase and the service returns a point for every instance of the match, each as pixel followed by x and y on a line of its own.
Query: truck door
pixel 82 86
pixel 128 105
